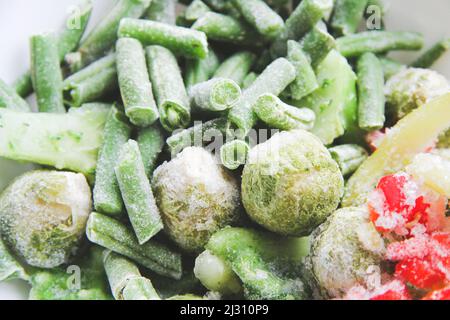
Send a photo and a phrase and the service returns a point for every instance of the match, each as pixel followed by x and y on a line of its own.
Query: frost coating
pixel 43 215
pixel 346 251
pixel 196 197
pixel 291 184
pixel 412 88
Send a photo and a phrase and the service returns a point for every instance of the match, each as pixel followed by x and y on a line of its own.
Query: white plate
pixel 21 18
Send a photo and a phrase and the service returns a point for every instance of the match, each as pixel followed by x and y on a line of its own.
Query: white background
pixel 21 18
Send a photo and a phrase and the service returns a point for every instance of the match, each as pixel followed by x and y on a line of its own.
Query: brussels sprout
pixel 346 251
pixel 291 184
pixel 43 216
pixel 196 197
pixel 412 88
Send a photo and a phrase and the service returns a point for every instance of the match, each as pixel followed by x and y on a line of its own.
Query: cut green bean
pixel 107 197
pixel 347 16
pixel 305 81
pixel 135 86
pixel 195 10
pixel 275 78
pixel 279 115
pixel 429 57
pixel 137 193
pixel 115 236
pixel 218 94
pixel 249 79
pixel 390 67
pixel 102 38
pixel 371 100
pixel 46 73
pixel 162 11
pixel 302 20
pixel 236 67
pixel 349 157
pixel 379 42
pixel 9 99
pixel 317 44
pixel 91 83
pixel 23 85
pixel 151 142
pixel 125 279
pixel 197 135
pixel 170 92
pixel 76 24
pixel 258 14
pixel 201 70
pixel 223 28
pixel 68 40
pixel 181 41
pixel 234 154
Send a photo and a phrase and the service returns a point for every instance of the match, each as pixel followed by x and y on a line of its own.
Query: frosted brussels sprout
pixel 345 251
pixel 412 88
pixel 196 197
pixel 43 216
pixel 291 184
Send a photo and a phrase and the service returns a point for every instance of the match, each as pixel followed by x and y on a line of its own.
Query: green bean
pixel 428 58
pixel 170 92
pixel 200 70
pixel 162 11
pixel 234 154
pixel 347 16
pixel 306 81
pixel 275 78
pixel 379 42
pixel 258 14
pixel 137 193
pixel 181 41
pixel 349 157
pixel 317 44
pixel 301 21
pixel 151 142
pixel 68 40
pixel 92 82
pixel 390 67
pixel 125 279
pixel 195 10
pixel 115 236
pixel 216 274
pixel 371 100
pixel 279 115
pixel 196 136
pixel 46 73
pixel 223 28
pixel 102 38
pixel 9 99
pixel 107 197
pixel 249 79
pixel 218 94
pixel 23 85
pixel 135 86
pixel 236 67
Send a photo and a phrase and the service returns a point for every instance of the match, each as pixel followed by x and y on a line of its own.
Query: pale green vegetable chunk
pixel 43 216
pixel 291 184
